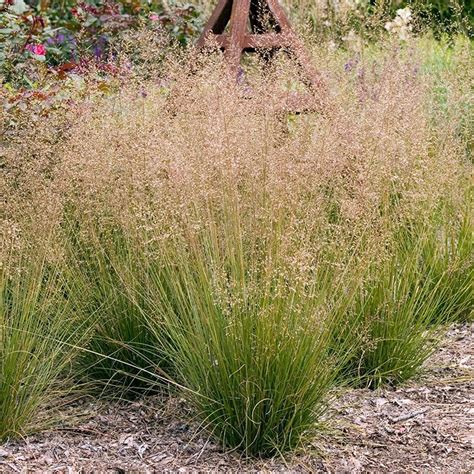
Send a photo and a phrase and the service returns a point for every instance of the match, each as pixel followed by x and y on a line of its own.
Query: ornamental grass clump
pixel 247 255
pixel 40 335
pixel 252 345
pixel 252 242
pixel 404 304
pixel 249 331
pixel 122 351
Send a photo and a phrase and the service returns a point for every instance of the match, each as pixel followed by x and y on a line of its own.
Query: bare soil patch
pixel 424 426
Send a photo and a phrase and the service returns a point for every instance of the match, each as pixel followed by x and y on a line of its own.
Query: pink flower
pixel 154 17
pixel 37 49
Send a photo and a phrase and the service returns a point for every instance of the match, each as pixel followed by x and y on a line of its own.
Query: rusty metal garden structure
pixel 263 26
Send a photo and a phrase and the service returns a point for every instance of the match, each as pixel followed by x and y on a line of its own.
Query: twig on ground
pixel 408 416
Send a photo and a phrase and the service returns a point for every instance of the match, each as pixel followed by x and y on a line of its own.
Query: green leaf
pixel 54 50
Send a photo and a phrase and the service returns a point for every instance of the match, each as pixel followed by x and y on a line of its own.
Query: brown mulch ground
pixel 425 426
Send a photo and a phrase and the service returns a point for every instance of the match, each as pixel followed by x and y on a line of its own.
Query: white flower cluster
pixel 401 23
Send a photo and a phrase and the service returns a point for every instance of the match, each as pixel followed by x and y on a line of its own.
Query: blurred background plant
pixel 40 38
pixel 53 52
pixel 44 39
